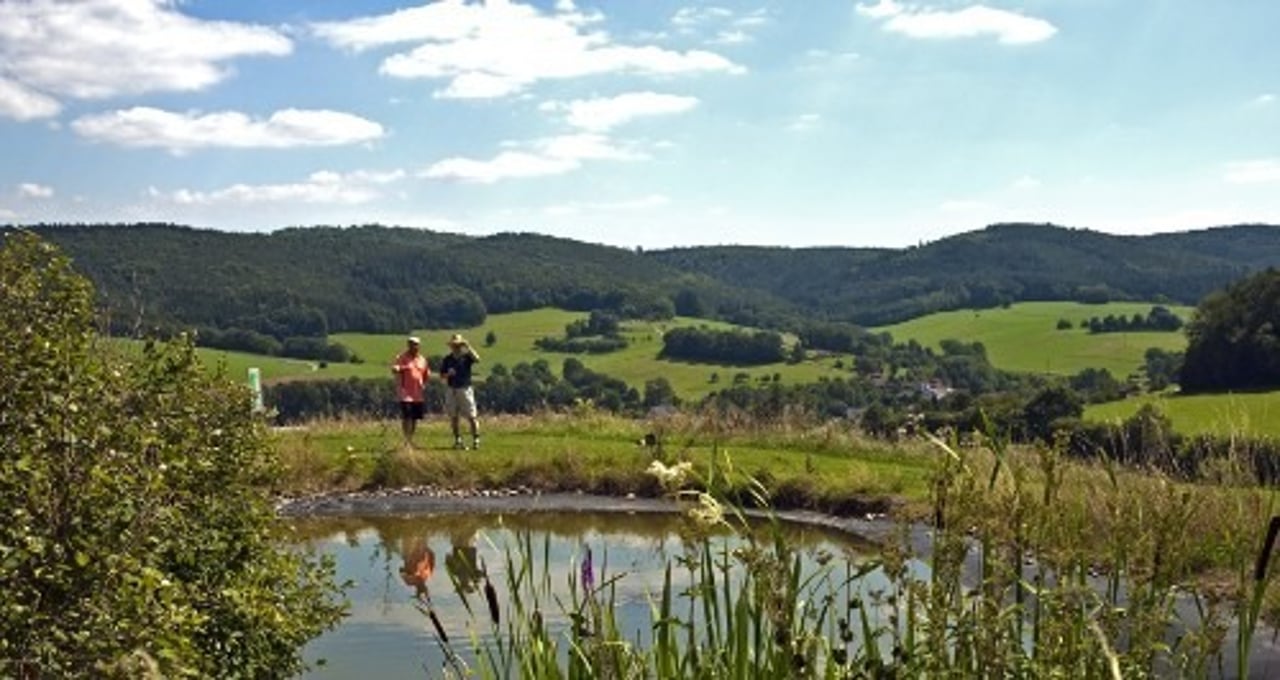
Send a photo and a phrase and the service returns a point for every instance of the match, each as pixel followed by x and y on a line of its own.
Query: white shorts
pixel 460 402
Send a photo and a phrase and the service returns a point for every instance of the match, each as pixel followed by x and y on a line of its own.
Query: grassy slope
pixel 1024 336
pixel 1253 413
pixel 517 331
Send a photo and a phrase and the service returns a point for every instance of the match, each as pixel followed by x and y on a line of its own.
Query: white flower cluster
pixel 670 476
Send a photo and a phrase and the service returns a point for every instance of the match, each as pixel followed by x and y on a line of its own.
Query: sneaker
pixel 457 444
pixel 475 443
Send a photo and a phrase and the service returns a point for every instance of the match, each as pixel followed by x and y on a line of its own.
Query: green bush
pixel 139 535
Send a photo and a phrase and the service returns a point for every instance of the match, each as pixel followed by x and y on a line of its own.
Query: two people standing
pixel 412 372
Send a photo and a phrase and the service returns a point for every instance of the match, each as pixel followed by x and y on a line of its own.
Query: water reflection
pixel 391 562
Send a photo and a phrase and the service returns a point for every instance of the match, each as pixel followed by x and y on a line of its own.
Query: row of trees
pixel 1158 319
pixel 735 347
pixel 599 333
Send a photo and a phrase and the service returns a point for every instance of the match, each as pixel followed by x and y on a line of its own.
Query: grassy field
pixel 237 364
pixel 830 467
pixel 1251 413
pixel 517 331
pixel 1024 336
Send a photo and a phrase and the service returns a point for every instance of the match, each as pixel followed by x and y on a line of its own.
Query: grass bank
pixel 831 468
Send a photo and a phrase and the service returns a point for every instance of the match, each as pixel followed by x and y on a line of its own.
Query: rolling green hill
pixel 378 279
pixel 516 333
pixel 1024 337
pixel 1251 413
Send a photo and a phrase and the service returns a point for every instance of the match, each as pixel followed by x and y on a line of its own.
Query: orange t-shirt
pixel 411 375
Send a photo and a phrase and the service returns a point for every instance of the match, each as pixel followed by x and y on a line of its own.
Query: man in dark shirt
pixel 459 399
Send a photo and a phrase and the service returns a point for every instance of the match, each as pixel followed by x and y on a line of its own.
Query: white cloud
pixel 723 25
pixel 180 132
pixel 324 187
pixel 91 49
pixel 23 103
pixel 732 37
pixel 1260 171
pixel 6 214
pixel 974 21
pixel 687 18
pixel 804 122
pixel 497 48
pixel 32 190
pixel 539 158
pixel 1266 99
pixel 605 113
pixel 881 10
pixel 1025 183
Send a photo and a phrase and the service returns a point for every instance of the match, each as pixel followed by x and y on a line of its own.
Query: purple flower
pixel 588 573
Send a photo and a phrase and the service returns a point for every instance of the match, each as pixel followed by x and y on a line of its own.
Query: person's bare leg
pixel 406 427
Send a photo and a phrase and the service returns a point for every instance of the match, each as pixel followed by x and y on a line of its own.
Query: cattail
pixel 435 621
pixel 588 573
pixel 1264 557
pixel 491 596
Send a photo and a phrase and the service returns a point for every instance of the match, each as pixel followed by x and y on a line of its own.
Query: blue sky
pixel 654 123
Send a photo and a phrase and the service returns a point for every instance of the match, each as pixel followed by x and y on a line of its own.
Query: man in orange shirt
pixel 411 371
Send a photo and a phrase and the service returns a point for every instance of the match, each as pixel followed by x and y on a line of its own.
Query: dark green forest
pixel 310 281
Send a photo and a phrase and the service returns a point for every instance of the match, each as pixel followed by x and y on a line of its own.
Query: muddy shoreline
pixel 421 500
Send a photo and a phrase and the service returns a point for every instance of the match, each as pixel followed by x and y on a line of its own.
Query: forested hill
pixel 307 281
pixel 1002 263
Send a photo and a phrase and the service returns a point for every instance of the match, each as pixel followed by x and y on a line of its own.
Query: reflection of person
pixel 411 371
pixel 460 400
pixel 419 564
pixel 463 564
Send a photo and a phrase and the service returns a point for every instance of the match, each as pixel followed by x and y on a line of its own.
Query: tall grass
pixel 1035 566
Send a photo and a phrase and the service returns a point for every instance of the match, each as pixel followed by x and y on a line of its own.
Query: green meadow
pixel 516 332
pixel 1024 336
pixel 1249 413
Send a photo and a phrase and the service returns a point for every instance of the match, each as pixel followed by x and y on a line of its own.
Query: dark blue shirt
pixel 461 366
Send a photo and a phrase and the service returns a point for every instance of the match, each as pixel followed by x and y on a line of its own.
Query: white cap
pixel 414 339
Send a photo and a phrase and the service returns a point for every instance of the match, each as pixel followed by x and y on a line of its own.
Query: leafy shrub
pixel 139 529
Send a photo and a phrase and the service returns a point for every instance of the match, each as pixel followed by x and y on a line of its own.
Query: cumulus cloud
pixel 496 48
pixel 605 113
pixel 324 187
pixel 539 158
pixel 1260 171
pixel 973 21
pixel 23 103
pixel 724 26
pixel 92 49
pixel 32 190
pixel 181 132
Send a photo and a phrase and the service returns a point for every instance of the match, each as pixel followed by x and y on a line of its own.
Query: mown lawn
pixel 1247 413
pixel 1024 337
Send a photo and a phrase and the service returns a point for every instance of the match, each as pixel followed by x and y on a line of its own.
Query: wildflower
pixel 673 476
pixel 708 512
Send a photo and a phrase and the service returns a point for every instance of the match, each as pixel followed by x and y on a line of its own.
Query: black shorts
pixel 412 410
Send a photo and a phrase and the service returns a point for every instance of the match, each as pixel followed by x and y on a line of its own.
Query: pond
pixel 387 636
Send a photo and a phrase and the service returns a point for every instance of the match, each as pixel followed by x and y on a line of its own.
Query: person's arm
pixel 396 366
pixel 474 357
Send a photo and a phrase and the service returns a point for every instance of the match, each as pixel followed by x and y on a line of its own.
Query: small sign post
pixel 255 386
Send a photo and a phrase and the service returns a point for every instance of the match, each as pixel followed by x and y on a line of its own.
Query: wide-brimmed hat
pixel 456 340
pixel 413 340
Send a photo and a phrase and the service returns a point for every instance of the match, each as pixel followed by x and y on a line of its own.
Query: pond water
pixel 387 636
